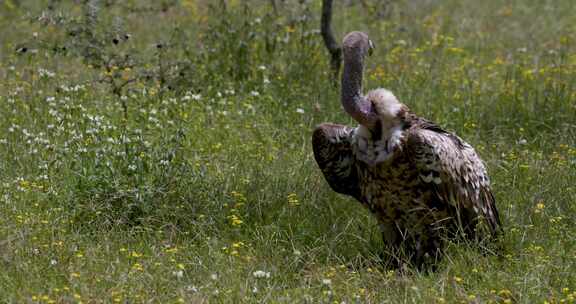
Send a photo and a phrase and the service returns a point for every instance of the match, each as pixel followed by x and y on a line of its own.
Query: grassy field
pixel 159 151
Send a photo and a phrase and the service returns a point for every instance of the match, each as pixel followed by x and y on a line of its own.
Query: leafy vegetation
pixel 159 151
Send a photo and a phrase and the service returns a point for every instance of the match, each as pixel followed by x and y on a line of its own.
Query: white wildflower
pixel 179 274
pixel 261 274
pixel 300 110
pixel 326 282
pixel 192 288
pixel 45 73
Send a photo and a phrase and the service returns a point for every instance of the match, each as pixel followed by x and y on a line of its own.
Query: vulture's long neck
pixel 351 95
pixel 352 82
pixel 355 104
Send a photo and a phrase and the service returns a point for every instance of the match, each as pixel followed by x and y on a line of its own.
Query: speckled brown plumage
pixel 422 183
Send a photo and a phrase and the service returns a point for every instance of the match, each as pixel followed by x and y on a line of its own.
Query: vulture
pixel 423 184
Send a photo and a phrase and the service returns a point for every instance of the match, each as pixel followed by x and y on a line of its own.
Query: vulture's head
pixel 357 44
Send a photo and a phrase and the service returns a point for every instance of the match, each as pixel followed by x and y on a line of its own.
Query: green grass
pixel 204 188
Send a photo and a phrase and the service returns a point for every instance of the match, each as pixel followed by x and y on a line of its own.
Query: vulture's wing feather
pixel 333 153
pixel 456 173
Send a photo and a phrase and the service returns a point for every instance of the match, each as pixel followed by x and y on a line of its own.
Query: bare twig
pixel 331 44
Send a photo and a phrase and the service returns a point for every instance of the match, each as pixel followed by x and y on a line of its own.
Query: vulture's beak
pixel 371 47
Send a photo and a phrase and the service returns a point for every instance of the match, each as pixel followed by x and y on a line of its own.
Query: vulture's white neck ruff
pixel 372 147
pixel 385 103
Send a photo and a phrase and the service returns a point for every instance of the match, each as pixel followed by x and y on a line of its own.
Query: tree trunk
pixel 329 41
